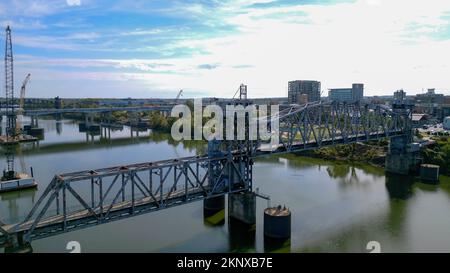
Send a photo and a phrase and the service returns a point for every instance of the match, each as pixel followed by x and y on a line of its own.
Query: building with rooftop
pixel 302 91
pixel 355 93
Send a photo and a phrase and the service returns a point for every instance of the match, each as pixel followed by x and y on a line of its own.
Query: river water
pixel 336 207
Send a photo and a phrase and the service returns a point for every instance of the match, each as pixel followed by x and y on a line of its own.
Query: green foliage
pixel 161 123
pixel 354 152
pixel 439 154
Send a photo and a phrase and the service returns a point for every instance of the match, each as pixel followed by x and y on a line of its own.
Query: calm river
pixel 335 207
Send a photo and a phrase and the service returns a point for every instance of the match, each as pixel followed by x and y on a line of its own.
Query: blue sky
pixel 119 48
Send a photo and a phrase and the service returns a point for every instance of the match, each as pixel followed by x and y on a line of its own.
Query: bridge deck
pixel 84 218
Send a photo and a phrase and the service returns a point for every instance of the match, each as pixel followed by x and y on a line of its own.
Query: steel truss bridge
pixel 79 200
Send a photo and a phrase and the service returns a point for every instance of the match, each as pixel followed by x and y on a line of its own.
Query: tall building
pixel 358 91
pixel 399 95
pixel 301 91
pixel 431 103
pixel 355 93
pixel 430 97
pixel 58 103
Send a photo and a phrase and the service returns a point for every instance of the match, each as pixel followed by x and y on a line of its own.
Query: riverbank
pixel 372 153
pixel 438 154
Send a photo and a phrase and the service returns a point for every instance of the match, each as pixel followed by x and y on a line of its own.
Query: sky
pixel 153 48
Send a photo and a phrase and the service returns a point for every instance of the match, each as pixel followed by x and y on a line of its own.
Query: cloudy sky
pixel 145 48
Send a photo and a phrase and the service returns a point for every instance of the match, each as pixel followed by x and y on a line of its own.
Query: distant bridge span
pixel 92 197
pixel 43 112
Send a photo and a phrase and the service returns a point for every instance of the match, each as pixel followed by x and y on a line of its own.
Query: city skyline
pixel 85 48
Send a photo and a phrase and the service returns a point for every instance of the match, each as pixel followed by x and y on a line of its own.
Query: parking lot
pixel 434 130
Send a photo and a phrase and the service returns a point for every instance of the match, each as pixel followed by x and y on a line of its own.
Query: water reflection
pixel 399 186
pixel 242 236
pixel 59 127
pixel 337 207
pixel 272 245
pixel 14 202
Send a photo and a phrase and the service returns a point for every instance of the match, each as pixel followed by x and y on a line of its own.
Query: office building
pixel 355 93
pixel 303 91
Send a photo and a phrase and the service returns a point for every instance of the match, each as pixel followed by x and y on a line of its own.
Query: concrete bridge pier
pixel 214 211
pixel 89 120
pixel 242 207
pixel 34 129
pixel 132 134
pixel 34 122
pixel 90 124
pixel 403 156
pixel 105 125
pixel 84 126
pixel 17 244
pixel 105 132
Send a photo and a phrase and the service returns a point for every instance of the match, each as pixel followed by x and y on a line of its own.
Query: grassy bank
pixel 438 154
pixel 372 153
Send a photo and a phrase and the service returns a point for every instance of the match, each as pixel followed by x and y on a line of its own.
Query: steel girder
pixel 124 191
pixel 320 124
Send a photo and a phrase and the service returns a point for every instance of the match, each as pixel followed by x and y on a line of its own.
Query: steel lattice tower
pixel 9 105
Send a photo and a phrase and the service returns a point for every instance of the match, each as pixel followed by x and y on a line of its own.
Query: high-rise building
pixel 356 93
pixel 299 91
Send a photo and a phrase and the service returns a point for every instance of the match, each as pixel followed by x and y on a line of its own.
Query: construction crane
pixel 22 102
pixel 179 95
pixel 9 86
pixel 11 133
pixel 22 93
pixel 19 120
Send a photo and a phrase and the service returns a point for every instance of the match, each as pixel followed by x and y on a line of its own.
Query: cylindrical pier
pixel 429 173
pixel 277 222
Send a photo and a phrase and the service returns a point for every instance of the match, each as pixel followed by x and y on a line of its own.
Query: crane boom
pixel 22 93
pixel 179 95
pixel 21 104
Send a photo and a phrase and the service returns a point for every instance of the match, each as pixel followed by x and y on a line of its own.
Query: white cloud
pixel 385 44
pixel 73 2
